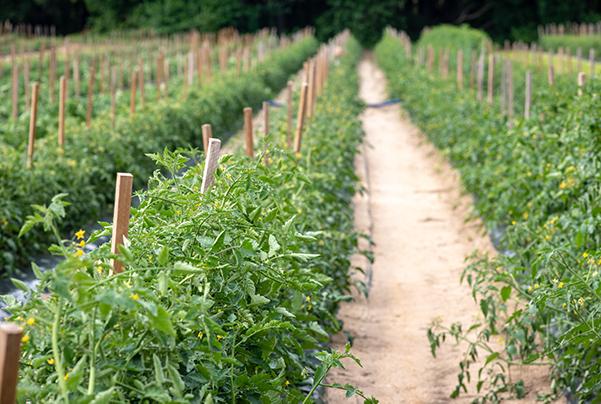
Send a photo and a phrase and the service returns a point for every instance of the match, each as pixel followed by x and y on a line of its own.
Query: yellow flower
pixel 30 321
pixel 80 234
pixel 525 215
pixel 286 383
pixel 308 299
pixel 25 339
pixel 581 301
pixel 78 253
pixel 219 337
pixel 584 254
pixel 66 377
pixel 536 286
pixel 50 361
pixel 555 280
pixel 513 222
pixel 560 285
pixel 135 296
pixel 82 244
pixel 99 269
pixel 530 288
pixel 200 334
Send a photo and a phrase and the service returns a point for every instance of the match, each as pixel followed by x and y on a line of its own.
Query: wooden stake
pixel 591 59
pixel 76 75
pixel 311 89
pixel 248 131
pixel 509 90
pixel 90 105
pixel 207 134
pixel 480 78
pixel 52 74
pixel 581 80
pixel 141 81
pixel 528 95
pixel 121 215
pixel 61 111
pixel 266 118
pixel 211 163
pixel 10 351
pixel 132 96
pixel 113 96
pixel 551 75
pixel 35 89
pixel 289 115
pixel 491 78
pixel 27 84
pixel 300 119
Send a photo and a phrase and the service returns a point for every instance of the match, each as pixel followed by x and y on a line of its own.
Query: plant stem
pixel 92 381
pixel 62 383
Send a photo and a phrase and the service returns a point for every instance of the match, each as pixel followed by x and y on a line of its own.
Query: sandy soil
pixel 417 217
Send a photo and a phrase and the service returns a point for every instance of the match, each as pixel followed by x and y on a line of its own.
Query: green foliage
pixel 227 295
pixel 572 43
pixel 92 157
pixel 454 37
pixel 536 182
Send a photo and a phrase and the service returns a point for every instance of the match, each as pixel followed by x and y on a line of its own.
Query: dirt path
pixel 421 240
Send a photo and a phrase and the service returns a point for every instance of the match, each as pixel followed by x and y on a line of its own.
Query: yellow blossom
pixel 581 301
pixel 50 361
pixel 66 377
pixel 584 254
pixel 513 222
pixel 286 383
pixel 30 321
pixel 80 234
pixel 135 296
pixel 525 215
pixel 78 253
pixel 25 339
pixel 99 269
pixel 219 337
pixel 536 286
pixel 560 285
pixel 82 244
pixel 564 305
pixel 200 334
pixel 308 299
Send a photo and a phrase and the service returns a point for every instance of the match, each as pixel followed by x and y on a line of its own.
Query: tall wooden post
pixel 61 111
pixel 207 135
pixel 289 114
pixel 581 80
pixel 491 78
pixel 300 119
pixel 35 90
pixel 248 131
pixel 132 96
pixel 10 351
pixel 528 95
pixel 211 161
pixel 460 69
pixel 121 212
pixel 90 105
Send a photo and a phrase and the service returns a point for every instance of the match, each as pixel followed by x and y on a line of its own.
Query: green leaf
pixel 161 321
pixel 20 284
pixel 163 257
pixel 505 293
pixel 104 397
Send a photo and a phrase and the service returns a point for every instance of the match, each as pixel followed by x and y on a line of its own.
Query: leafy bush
pixel 535 183
pixel 87 168
pixel 226 295
pixel 454 37
pixel 572 43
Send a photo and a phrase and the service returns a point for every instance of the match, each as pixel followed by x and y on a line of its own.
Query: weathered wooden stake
pixel 121 211
pixel 211 161
pixel 300 119
pixel 132 96
pixel 141 81
pixel 581 80
pixel 113 96
pixel 207 134
pixel 528 95
pixel 591 59
pixel 90 105
pixel 551 75
pixel 248 131
pixel 460 69
pixel 480 78
pixel 266 117
pixel 10 352
pixel 491 78
pixel 509 91
pixel 35 90
pixel 61 111
pixel 27 84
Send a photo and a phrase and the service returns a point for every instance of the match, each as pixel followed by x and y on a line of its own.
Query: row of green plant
pixel 14 133
pixel 454 37
pixel 537 183
pixel 572 43
pixel 87 167
pixel 227 296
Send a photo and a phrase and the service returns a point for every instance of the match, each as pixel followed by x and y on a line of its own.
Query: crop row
pixel 536 181
pixel 86 168
pixel 227 295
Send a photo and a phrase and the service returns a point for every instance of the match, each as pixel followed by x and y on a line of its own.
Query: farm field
pixel 274 212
